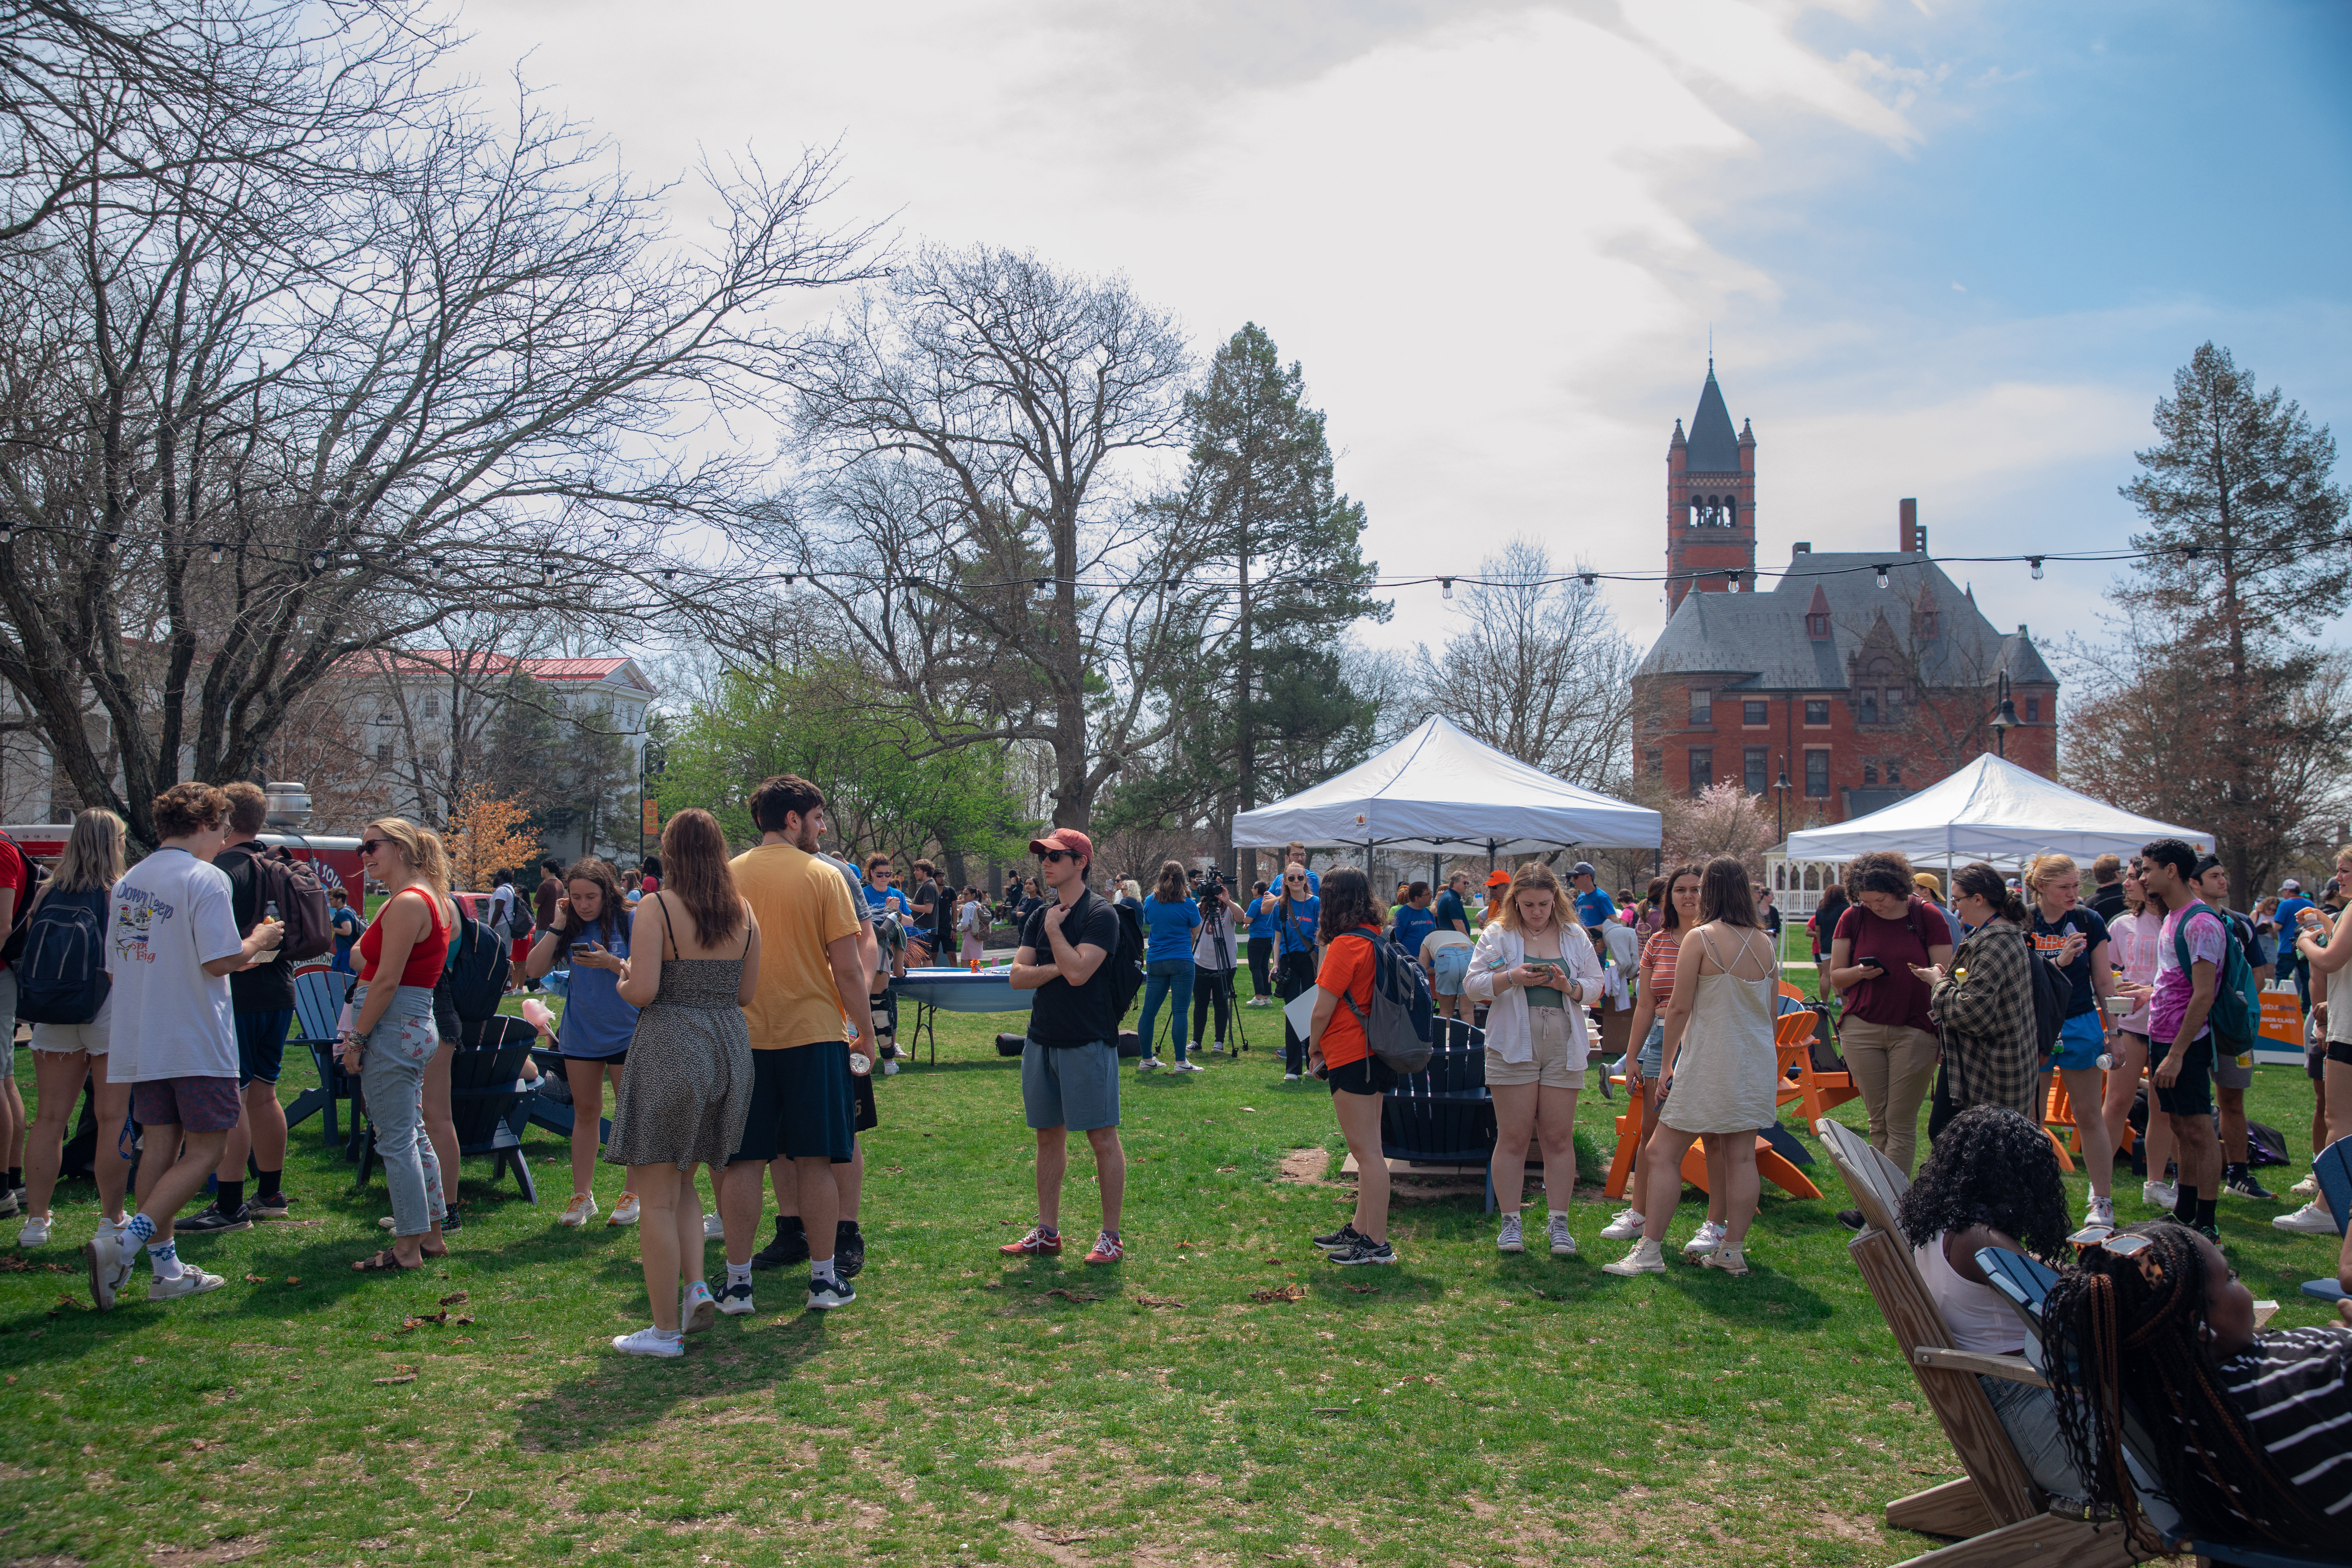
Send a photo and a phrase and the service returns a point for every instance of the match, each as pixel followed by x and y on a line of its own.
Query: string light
pixel 1588 578
pixel 1881 570
pixel 213 547
pixel 547 574
pixel 1446 584
pixel 318 562
pixel 7 534
pixel 2035 562
pixel 440 565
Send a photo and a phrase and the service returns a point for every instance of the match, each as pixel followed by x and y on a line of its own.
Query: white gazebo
pixel 1991 810
pixel 1439 790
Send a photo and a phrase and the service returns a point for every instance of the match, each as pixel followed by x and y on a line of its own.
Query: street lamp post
pixel 2004 718
pixel 1780 800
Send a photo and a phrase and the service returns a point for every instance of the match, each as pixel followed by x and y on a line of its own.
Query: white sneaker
pixel 1149 1064
pixel 8 1204
pixel 736 1300
pixel 713 1228
pixel 579 1211
pixel 2311 1219
pixel 1726 1257
pixel 697 1308
pixel 1562 1244
pixel 1291 1078
pixel 1710 1237
pixel 36 1232
pixel 1190 1066
pixel 651 1342
pixel 1511 1238
pixel 2160 1194
pixel 625 1212
pixel 2306 1188
pixel 193 1282
pixel 1647 1258
pixel 2100 1211
pixel 1624 1227
pixel 108 1255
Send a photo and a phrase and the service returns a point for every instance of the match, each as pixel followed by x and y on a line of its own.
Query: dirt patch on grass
pixel 234 1549
pixel 1306 1167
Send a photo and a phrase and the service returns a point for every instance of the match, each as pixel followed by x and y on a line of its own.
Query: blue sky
pixel 1948 250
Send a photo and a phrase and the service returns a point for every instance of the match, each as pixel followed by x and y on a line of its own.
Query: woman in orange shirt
pixel 1337 1050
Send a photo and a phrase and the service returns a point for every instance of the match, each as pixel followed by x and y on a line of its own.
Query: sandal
pixel 384 1262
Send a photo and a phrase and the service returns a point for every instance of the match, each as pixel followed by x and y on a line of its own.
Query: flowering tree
pixel 1721 819
pixel 488 833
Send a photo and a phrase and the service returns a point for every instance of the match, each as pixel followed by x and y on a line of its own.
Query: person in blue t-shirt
pixel 1452 910
pixel 880 896
pixel 1170 919
pixel 345 923
pixel 1413 919
pixel 2291 965
pixel 1594 907
pixel 1260 915
pixel 1297 913
pixel 1294 859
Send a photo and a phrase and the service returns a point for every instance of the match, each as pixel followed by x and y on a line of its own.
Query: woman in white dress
pixel 1720 1068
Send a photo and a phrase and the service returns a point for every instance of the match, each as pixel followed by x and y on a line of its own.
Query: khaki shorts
pixel 1559 1062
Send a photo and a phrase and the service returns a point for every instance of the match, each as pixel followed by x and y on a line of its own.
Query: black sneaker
pixel 1339 1240
pixel 2211 1233
pixel 824 1295
pixel 1364 1249
pixel 1850 1218
pixel 2241 1182
pixel 848 1249
pixel 789 1247
pixel 212 1222
pixel 452 1222
pixel 269 1206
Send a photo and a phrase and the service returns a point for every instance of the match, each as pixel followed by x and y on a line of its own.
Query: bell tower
pixel 1710 502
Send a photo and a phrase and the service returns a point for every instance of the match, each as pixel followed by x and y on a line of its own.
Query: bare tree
pixel 973 433
pixel 1538 670
pixel 275 416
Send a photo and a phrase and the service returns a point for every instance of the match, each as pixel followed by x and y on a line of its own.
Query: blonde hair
pixel 2044 868
pixel 420 846
pixel 92 861
pixel 1534 876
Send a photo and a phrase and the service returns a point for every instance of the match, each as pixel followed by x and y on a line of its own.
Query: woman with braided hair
pixel 1992 1181
pixel 2252 1433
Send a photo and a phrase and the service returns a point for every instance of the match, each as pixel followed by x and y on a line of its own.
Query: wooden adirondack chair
pixel 1995 1507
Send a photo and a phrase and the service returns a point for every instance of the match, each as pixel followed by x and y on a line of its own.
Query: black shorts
pixel 2191 1094
pixel 617 1059
pixel 801 1105
pixel 261 1046
pixel 861 1087
pixel 2340 1051
pixel 1369 1076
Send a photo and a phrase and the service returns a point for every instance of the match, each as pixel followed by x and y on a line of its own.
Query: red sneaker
pixel 1035 1244
pixel 1107 1248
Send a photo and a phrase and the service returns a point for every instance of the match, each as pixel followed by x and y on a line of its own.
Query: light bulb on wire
pixel 1881 570
pixel 2035 562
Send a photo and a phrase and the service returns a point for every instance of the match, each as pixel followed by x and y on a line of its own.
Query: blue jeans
pixel 392 1076
pixel 1164 980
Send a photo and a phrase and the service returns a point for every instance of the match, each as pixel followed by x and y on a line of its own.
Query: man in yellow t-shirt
pixel 810 976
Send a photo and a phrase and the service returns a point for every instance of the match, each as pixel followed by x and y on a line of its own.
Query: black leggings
pixel 1293 979
pixel 1261 957
pixel 1209 986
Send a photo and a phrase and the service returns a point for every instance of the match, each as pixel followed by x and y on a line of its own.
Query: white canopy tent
pixel 1991 810
pixel 1440 792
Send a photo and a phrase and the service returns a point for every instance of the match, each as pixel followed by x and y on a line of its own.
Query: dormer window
pixel 1923 625
pixel 1866 712
pixel 1817 627
pixel 2034 710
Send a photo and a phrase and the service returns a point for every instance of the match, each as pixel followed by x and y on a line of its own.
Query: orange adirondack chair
pixel 2058 1112
pixel 1819 1090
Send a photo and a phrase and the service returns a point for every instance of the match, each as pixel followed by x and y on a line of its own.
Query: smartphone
pixel 1871 963
pixel 585 950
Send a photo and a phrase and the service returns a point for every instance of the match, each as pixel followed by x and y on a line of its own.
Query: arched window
pixel 1731 511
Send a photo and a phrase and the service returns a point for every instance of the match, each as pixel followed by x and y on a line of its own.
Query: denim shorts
pixel 2080 1042
pixel 1653 1058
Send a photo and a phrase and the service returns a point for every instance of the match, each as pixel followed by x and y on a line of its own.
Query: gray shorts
pixel 2227 1074
pixel 1074 1087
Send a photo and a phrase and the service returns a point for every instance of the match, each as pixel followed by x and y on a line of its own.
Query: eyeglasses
pixel 1050 856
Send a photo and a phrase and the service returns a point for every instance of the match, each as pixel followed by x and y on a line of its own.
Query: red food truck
pixel 337 860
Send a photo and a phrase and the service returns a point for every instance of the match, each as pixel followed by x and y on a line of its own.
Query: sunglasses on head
pixel 2120 1243
pixel 1050 856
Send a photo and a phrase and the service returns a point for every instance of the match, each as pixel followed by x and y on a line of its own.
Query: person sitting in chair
pixel 1991 1180
pixel 2252 1433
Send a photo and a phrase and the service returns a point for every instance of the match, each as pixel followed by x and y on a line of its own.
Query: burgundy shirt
pixel 1897 997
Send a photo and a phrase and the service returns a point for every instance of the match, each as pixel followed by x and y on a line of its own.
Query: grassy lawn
pixel 1462 1408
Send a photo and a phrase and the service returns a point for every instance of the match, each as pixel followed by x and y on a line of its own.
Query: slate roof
pixel 1713 445
pixel 1758 640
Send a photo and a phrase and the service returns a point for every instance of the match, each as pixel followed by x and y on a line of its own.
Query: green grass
pixel 1462 1408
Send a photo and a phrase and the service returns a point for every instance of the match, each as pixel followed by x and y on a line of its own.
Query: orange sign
pixel 652 824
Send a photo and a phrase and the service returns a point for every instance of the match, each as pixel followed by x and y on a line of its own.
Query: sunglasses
pixel 370 846
pixel 2115 1241
pixel 1050 856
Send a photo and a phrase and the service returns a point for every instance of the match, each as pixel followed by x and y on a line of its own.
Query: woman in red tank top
pixel 392 1041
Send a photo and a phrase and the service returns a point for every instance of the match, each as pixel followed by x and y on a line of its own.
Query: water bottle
pixel 2108 1061
pixel 270 917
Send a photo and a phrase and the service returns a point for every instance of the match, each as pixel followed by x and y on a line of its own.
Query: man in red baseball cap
pixel 1069 1063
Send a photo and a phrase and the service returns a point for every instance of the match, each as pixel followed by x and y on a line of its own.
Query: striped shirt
pixel 1659 958
pixel 2291 1387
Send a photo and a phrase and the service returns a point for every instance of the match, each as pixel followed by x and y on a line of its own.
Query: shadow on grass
pixel 617 1395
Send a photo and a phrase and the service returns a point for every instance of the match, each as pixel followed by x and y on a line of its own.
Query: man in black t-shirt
pixel 931 927
pixel 2230 1078
pixel 262 997
pixel 1069 1063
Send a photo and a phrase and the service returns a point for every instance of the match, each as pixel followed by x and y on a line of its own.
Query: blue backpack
pixel 61 974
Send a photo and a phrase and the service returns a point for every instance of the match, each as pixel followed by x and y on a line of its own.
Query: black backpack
pixel 474 975
pixel 301 900
pixel 2053 994
pixel 36 875
pixel 1126 964
pixel 61 974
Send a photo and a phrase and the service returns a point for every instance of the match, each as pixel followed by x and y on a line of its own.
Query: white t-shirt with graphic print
pixel 169 917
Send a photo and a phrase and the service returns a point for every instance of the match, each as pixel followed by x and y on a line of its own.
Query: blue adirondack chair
pixel 554 1114
pixel 489 1101
pixel 318 1008
pixel 2333 1169
pixel 2026 1282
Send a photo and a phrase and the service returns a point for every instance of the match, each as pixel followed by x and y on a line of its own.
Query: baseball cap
pixel 2291 886
pixel 1928 880
pixel 1067 839
pixel 1498 878
pixel 1583 868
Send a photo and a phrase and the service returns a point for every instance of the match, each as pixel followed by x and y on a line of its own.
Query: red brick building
pixel 1849 682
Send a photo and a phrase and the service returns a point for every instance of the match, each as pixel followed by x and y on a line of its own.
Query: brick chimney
pixel 1913 538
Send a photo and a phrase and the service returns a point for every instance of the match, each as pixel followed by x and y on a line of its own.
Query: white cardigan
pixel 1499 949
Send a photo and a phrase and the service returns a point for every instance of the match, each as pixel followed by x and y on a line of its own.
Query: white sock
pixel 164 1258
pixel 738 1274
pixel 823 1270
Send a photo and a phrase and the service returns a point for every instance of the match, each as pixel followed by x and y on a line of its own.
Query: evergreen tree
pixel 1262 695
